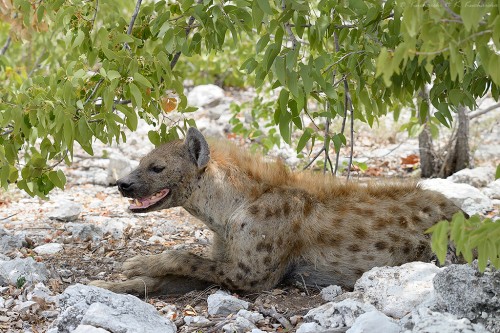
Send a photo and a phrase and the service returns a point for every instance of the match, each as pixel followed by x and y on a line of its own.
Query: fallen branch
pixel 278 316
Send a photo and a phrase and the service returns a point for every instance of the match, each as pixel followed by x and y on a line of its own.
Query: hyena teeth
pixel 138 203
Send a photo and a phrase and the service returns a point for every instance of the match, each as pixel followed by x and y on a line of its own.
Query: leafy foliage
pixel 470 236
pixel 79 71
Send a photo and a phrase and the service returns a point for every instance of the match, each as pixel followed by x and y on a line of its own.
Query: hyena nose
pixel 124 186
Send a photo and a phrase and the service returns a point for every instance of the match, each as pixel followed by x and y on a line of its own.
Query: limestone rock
pixel 207 95
pixel 92 306
pixel 493 190
pixel 329 293
pixel 84 232
pixel 423 320
pixel 223 304
pixel 119 167
pixel 465 196
pixel 89 329
pixel 13 270
pixel 336 315
pixel 10 242
pixel 374 321
pixel 66 211
pixel 477 177
pixel 240 325
pixel 48 249
pixel 396 291
pixel 464 292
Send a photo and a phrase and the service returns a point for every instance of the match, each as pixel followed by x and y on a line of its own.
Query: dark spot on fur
pixel 296 226
pixel 244 267
pixel 269 213
pixel 264 247
pixel 248 253
pixel 220 273
pixel 253 283
pixel 421 249
pixel 239 276
pixel 380 223
pixel 380 245
pixel 395 238
pixel 267 260
pixel 243 225
pixel 407 249
pixel 353 248
pixel 442 205
pixel 286 209
pixel 427 209
pixel 360 232
pixel 254 209
pixel 194 268
pixel 368 257
pixel 212 268
pixel 392 249
pixel 402 221
pixel 329 239
pixel 229 283
pixel 415 218
pixel 308 206
pixel 394 209
pixel 279 242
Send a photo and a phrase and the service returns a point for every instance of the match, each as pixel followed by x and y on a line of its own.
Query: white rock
pixel 196 321
pixel 467 197
pixel 88 305
pixel 310 328
pixel 156 239
pixel 396 291
pixel 256 330
pixel 208 95
pixel 40 293
pixel 493 190
pixel 223 304
pixel 252 316
pixel 89 329
pixel 216 112
pixel 424 320
pixel 477 177
pixel 337 315
pixel 66 211
pixel 240 325
pixel 374 321
pixel 120 167
pixel 12 270
pixel 84 231
pixel 10 242
pixel 48 249
pixel 329 293
pixel 24 306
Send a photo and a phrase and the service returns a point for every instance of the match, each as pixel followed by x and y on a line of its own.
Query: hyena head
pixel 166 176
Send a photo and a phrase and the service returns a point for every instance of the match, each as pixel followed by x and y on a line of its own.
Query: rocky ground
pixel 50 250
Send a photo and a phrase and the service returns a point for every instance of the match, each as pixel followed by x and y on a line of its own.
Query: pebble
pixel 48 249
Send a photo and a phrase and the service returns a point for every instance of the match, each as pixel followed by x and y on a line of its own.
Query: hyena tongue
pixel 149 201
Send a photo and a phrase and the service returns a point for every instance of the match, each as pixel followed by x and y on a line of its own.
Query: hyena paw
pixel 102 284
pixel 142 266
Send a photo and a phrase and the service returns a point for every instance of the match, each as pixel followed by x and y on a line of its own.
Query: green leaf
pixel 264 5
pixel 112 74
pixel 154 137
pixel 497 173
pixel 142 80
pixel 262 43
pixel 303 140
pixel 136 95
pixel 471 14
pixel 439 242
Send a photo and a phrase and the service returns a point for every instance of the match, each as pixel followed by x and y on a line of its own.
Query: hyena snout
pixel 126 186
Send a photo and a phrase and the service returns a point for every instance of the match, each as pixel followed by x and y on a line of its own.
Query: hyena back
pixel 270 224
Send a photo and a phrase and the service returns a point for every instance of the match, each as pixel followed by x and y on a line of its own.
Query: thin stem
pixel 314 158
pixel 448 9
pixel 93 91
pixel 6 46
pixel 188 30
pixel 132 21
pixel 95 13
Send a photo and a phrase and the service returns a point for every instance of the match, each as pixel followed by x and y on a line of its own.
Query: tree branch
pixel 448 9
pixel 6 46
pixel 484 32
pixel 132 21
pixel 188 30
pixel 95 14
pixel 478 113
pixel 93 92
pixel 314 158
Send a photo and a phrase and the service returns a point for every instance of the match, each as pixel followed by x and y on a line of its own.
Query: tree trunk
pixel 458 156
pixel 427 158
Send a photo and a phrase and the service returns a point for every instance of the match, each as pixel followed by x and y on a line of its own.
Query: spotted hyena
pixel 270 224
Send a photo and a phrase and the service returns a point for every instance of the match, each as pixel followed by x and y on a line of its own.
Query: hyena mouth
pixel 144 203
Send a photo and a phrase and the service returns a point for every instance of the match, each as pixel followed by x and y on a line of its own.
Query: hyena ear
pixel 197 147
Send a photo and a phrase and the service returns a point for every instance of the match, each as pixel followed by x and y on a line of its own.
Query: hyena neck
pixel 213 201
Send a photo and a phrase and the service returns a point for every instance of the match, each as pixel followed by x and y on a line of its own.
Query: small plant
pixel 472 237
pixel 20 282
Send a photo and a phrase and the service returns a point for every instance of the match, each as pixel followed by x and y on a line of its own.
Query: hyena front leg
pixel 144 285
pixel 233 275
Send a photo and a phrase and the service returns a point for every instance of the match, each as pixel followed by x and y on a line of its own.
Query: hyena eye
pixel 156 168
